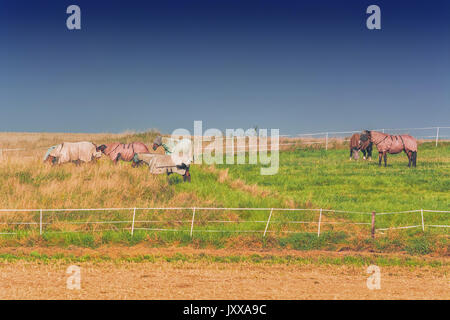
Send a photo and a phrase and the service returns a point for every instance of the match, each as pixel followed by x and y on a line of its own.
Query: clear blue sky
pixel 299 66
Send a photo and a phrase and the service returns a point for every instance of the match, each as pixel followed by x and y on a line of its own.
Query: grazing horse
pixel 177 158
pixel 119 151
pixel 163 163
pixel 355 146
pixel 387 143
pixel 72 152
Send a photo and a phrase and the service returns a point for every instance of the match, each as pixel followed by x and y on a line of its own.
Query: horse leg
pixel 351 152
pixel 380 155
pixel 116 160
pixel 187 176
pixel 168 176
pixel 409 154
pixel 414 158
pixel 134 164
pixel 385 158
pixel 364 154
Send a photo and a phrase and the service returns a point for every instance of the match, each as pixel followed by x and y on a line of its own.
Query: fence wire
pixel 48 220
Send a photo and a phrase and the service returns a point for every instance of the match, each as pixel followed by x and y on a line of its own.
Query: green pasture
pixel 327 179
pixel 307 178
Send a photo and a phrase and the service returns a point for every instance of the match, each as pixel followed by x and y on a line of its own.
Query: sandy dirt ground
pixel 203 280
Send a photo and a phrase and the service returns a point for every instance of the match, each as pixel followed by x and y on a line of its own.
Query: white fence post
pixel 268 221
pixel 132 224
pixel 192 223
pixel 437 136
pixel 40 222
pixel 320 220
pixel 421 214
pixel 326 142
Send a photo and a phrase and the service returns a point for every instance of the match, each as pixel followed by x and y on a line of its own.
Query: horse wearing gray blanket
pixel 72 152
pixel 162 163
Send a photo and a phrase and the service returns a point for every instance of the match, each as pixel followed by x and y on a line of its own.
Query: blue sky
pixel 299 66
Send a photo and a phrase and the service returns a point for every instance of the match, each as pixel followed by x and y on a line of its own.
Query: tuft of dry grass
pixel 254 189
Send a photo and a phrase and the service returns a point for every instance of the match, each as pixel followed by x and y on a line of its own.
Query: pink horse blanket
pixel 127 151
pixel 394 143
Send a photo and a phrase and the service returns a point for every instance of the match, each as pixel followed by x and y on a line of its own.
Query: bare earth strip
pixel 183 280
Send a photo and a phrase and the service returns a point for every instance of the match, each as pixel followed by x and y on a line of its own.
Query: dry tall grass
pixel 27 182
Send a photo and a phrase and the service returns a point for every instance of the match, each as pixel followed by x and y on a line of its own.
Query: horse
pixel 72 152
pixel 393 144
pixel 177 158
pixel 355 147
pixel 119 151
pixel 163 163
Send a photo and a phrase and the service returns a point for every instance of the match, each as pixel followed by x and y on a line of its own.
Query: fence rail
pixel 196 224
pixel 425 133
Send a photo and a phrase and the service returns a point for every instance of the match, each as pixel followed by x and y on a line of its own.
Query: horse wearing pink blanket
pixel 119 151
pixel 387 143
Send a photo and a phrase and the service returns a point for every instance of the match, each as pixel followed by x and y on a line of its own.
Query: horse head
pixel 157 142
pixel 101 148
pixel 364 139
pixel 51 160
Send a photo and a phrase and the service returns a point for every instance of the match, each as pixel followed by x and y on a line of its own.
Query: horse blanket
pixel 393 143
pixel 73 151
pixel 127 151
pixel 161 163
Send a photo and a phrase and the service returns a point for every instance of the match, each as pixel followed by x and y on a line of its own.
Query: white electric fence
pixel 431 134
pixel 327 139
pixel 49 220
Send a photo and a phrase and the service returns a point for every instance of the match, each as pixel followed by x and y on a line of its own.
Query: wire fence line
pixel 196 225
pixel 425 133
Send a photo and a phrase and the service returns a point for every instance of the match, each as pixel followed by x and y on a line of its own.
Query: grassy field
pixel 308 178
pixel 327 179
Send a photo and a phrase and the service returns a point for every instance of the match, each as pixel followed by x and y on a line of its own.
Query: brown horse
pixel 387 143
pixel 355 146
pixel 119 151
